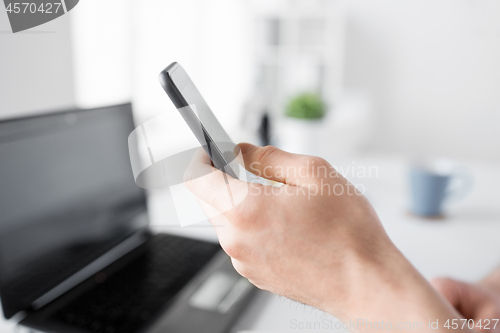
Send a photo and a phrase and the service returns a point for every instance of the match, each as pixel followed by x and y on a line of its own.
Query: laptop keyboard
pixel 125 301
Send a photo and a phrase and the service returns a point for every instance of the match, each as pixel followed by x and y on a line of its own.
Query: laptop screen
pixel 67 196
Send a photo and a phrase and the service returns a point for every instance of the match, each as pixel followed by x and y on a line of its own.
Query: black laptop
pixel 76 251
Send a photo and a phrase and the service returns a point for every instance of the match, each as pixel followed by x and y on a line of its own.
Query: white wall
pixel 81 59
pixel 431 66
pixel 101 39
pixel 36 72
pixel 433 69
pixel 210 39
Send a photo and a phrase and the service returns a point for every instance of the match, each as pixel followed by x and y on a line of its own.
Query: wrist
pixel 389 289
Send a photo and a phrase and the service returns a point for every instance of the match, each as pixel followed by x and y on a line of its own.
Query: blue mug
pixel 436 183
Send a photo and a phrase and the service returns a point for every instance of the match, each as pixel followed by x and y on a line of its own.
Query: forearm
pixel 395 294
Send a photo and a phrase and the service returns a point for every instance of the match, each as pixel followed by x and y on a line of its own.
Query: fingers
pixel 199 166
pixel 215 217
pixel 275 164
pixel 213 186
pixel 464 297
pixel 242 268
pixel 450 289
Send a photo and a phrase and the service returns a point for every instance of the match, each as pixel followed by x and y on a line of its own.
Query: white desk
pixel 465 245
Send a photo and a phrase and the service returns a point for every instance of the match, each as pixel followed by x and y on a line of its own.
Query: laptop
pixel 76 251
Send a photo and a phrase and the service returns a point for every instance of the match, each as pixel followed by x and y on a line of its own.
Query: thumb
pixel 275 164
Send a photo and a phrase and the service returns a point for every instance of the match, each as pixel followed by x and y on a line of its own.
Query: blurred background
pixel 398 77
pixel 367 84
pixel 373 83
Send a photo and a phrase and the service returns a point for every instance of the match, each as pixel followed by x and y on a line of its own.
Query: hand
pixel 316 239
pixel 290 240
pixel 474 301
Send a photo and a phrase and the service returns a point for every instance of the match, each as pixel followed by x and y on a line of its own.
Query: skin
pixel 328 250
pixel 479 301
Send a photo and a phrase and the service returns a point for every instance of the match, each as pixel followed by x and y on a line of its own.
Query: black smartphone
pixel 200 119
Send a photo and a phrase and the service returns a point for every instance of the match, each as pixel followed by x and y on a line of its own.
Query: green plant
pixel 306 106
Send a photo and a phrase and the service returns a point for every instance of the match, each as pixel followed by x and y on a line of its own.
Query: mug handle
pixel 461 184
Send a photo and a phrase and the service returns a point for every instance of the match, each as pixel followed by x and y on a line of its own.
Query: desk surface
pixel 464 245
